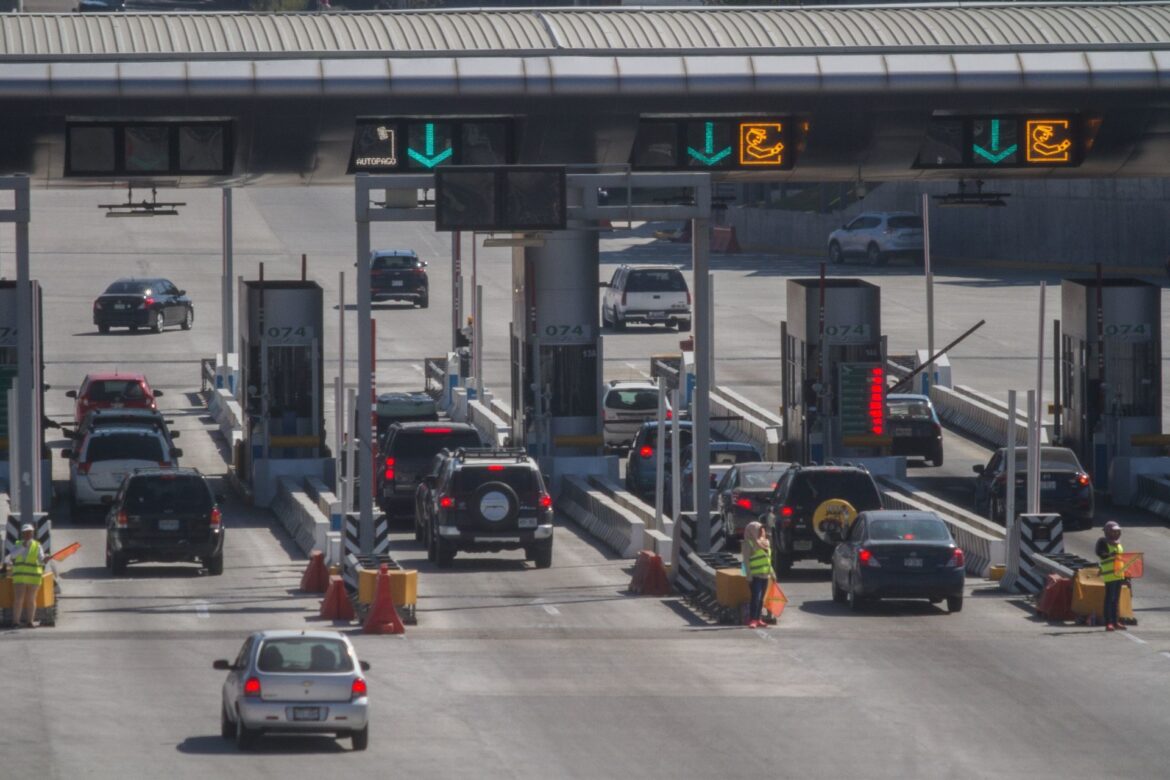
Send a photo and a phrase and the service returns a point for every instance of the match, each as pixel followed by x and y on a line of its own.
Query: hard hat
pixel 1112 526
pixel 27 527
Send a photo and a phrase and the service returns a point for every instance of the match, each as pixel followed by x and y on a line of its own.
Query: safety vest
pixel 760 564
pixel 25 569
pixel 1108 563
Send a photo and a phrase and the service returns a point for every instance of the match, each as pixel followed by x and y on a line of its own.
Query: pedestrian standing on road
pixel 1108 548
pixel 27 562
pixel 757 560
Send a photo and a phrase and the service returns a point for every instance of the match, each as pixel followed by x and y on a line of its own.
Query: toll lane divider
pixel 983 543
pixel 228 414
pixel 491 425
pixel 995 403
pixel 1153 494
pixel 330 506
pixel 747 422
pixel 654 539
pixel 601 516
pixel 979 416
pixel 300 516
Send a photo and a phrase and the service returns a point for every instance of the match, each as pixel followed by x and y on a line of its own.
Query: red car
pixel 113 390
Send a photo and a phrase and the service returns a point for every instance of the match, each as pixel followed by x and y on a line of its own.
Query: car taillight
pixel 435 431
pixel 647 451
pixel 545 501
pixel 495 467
pixel 148 301
pixel 787 516
pixel 252 688
pixel 446 502
pixel 216 517
pixel 83 468
pixel 688 297
pixel 357 689
pixel 96 305
pixel 669 414
pixel 389 473
pixel 866 558
pixel 123 519
pixel 743 503
pixel 1082 479
pixel 957 561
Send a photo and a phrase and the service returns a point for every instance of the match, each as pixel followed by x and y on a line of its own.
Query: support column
pixel 364 426
pixel 704 350
pixel 226 322
pixel 27 449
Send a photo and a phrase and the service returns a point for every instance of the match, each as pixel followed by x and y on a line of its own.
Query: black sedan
pixel 1065 487
pixel 915 427
pixel 743 493
pixel 143 303
pixel 899 555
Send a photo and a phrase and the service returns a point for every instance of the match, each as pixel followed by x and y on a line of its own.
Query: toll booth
pixel 833 375
pixel 281 381
pixel 1110 377
pixel 9 415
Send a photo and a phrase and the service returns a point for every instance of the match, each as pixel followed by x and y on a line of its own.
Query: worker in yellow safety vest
pixel 1108 548
pixel 757 562
pixel 26 559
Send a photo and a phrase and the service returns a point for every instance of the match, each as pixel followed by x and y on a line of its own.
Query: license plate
pixel 1047 484
pixel 913 563
pixel 489 539
pixel 168 524
pixel 396 283
pixel 306 713
pixel 527 522
pixel 121 306
pixel 802 545
pixel 656 315
pixel 903 431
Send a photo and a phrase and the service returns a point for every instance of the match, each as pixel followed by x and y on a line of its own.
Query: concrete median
pixel 1153 494
pixel 979 416
pixel 495 429
pixel 747 422
pixel 601 516
pixel 300 516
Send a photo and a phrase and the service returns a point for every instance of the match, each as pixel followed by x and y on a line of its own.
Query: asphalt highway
pixel 515 672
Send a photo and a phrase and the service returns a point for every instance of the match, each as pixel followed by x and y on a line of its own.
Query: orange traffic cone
pixel 649 576
pixel 316 576
pixel 383 617
pixel 336 605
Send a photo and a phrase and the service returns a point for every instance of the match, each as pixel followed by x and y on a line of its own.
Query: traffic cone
pixel 316 576
pixel 649 576
pixel 336 604
pixel 383 617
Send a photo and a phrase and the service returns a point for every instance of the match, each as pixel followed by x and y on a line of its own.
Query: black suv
pixel 399 275
pixel 489 500
pixel 405 453
pixel 165 515
pixel 794 503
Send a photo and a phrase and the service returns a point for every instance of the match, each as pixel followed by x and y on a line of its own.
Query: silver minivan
pixel 649 294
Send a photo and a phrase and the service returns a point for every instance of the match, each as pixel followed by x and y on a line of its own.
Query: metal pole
pixel 675 477
pixel 1057 386
pixel 227 315
pixel 479 343
pixel 1033 471
pixel 338 433
pixel 929 291
pixel 456 287
pixel 711 323
pixel 700 249
pixel 1034 483
pixel 341 374
pixel 364 379
pixel 660 456
pixel 1009 500
pixel 25 357
pixel 351 447
pixel 474 304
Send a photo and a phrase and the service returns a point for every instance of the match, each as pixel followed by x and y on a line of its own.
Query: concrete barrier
pixel 501 410
pixel 327 501
pixel 228 414
pixel 605 520
pixel 494 429
pixel 1153 494
pixel 752 424
pixel 298 513
pixel 978 416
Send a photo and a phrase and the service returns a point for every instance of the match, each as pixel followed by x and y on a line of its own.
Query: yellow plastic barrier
pixel 46 596
pixel 731 588
pixel 403 586
pixel 1089 596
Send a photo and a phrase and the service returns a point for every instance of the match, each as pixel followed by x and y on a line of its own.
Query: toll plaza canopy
pixel 831 92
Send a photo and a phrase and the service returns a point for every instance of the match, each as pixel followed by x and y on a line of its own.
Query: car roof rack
pixel 519 454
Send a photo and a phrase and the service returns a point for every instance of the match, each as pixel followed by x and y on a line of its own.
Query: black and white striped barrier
pixel 351 545
pixel 690 578
pixel 43 533
pixel 1039 536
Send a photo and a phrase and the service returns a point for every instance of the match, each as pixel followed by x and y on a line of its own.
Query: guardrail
pixel 434 376
pixel 745 421
pixel 229 414
pixel 482 417
pixel 207 374
pixel 979 416
pixel 602 517
pixel 1153 494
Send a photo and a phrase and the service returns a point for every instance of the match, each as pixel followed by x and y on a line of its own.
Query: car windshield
pixel 926 529
pixel 812 488
pixel 124 446
pixel 115 390
pixel 185 492
pixel 905 223
pixel 128 288
pixel 519 478
pixel 633 400
pixel 909 410
pixel 393 263
pixel 656 281
pixel 761 479
pixel 425 443
pixel 304 654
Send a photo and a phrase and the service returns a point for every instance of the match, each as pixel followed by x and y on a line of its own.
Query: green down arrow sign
pixel 708 156
pixel 995 155
pixel 429 159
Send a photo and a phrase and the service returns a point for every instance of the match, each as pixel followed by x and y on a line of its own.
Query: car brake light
pixel 389 473
pixel 357 689
pixel 123 519
pixel 495 467
pixel 957 560
pixel 647 451
pixel 148 301
pixel 688 297
pixel 446 502
pixel 1082 479
pixel 866 558
pixel 786 511
pixel 252 688
pixel 545 501
pixel 436 431
pixel 669 414
pixel 743 503
pixel 216 517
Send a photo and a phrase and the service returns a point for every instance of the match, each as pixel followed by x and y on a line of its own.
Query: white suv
pixel 651 294
pixel 98 466
pixel 878 236
pixel 624 407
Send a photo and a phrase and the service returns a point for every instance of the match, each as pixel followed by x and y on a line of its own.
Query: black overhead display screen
pixel 716 143
pixel 104 148
pixel 419 144
pixel 1003 141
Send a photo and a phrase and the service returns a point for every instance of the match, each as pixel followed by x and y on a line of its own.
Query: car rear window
pixel 650 436
pixel 115 390
pixel 813 487
pixel 909 410
pixel 159 493
pixel 656 281
pixel 519 478
pixel 761 479
pixel 909 529
pixel 426 443
pixel 128 288
pixel 304 654
pixel 905 223
pixel 1049 458
pixel 393 263
pixel 640 400
pixel 735 456
pixel 126 446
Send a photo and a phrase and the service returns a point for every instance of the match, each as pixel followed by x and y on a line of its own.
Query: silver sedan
pixel 295 681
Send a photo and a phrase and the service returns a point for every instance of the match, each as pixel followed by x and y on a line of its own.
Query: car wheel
pixel 245 737
pixel 361 739
pixel 605 321
pixel 227 729
pixel 954 604
pixel 838 594
pixel 188 319
pixel 684 326
pixel 103 328
pixel 418 529
pixel 835 254
pixel 156 322
pixel 115 562
pixel 996 511
pixel 1086 523
pixel 618 322
pixel 782 562
pixel 214 564
pixel 432 553
pixel 936 458
pixel 874 255
pixel 542 554
pixel 856 602
pixel 424 301
pixel 495 503
pixel 444 552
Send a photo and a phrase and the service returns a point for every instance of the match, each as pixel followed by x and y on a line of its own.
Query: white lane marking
pixel 634 368
pixel 417 367
pixel 201 610
pixel 764 633
pixel 1139 640
pixel 550 609
pixel 1165 653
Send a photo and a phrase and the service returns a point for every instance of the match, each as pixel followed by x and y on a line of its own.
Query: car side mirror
pixel 181 292
pixel 69 432
pixel 547 479
pixel 67 454
pixel 158 393
pixel 176 453
pixel 365 665
pixel 603 284
pixel 175 434
pixel 222 664
pixel 978 468
pixel 70 393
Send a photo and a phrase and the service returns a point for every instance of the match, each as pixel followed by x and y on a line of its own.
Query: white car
pixel 295 681
pixel 649 294
pixel 877 237
pixel 624 407
pixel 100 463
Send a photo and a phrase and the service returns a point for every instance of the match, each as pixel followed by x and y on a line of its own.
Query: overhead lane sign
pixel 715 143
pixel 413 144
pixel 1003 141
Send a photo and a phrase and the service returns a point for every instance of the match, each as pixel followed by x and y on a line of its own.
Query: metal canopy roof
pixel 628 32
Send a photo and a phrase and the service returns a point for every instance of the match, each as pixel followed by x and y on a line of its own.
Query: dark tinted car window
pixel 114 390
pixel 905 223
pixel 128 288
pixel 185 492
pixel 519 478
pixel 909 410
pixel 810 488
pixel 127 446
pixel 394 263
pixel 656 281
pixel 734 456
pixel 649 435
pixel 908 529
pixel 631 400
pixel 419 444
pixel 304 654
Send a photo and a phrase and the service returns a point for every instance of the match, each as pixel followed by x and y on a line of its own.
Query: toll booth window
pixel 147 149
pixel 290 382
pixel 92 149
pixel 571 373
